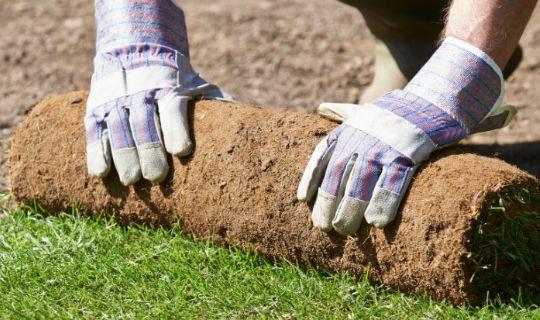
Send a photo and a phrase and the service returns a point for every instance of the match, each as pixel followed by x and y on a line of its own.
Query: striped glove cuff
pixel 451 95
pixel 121 23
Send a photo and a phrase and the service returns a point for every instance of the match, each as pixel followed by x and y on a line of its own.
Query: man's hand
pixel 140 89
pixel 364 167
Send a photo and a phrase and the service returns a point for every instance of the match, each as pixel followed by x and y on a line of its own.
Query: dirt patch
pixel 239 188
pixel 285 53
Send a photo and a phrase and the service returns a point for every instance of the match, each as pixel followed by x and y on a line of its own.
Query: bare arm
pixel 494 26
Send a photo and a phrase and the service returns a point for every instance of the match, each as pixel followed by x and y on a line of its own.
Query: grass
pixel 69 266
pixel 506 246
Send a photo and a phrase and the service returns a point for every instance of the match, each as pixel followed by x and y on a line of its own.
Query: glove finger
pixel 144 123
pixel 359 188
pixel 335 178
pixel 124 152
pixel 391 187
pixel 98 150
pixel 174 123
pixel 326 203
pixel 314 172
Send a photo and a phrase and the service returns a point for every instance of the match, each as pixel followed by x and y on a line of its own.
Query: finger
pixel 123 150
pixel 174 123
pixel 335 177
pixel 144 123
pixel 98 153
pixel 391 187
pixel 359 189
pixel 314 172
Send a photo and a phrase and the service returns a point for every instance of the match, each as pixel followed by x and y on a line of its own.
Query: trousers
pixel 406 34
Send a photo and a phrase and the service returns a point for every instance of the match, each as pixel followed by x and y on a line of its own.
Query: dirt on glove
pixel 239 188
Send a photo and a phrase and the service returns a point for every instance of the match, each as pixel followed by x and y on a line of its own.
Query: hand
pixel 140 89
pixel 364 167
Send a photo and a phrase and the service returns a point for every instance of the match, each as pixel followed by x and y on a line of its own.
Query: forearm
pixel 494 26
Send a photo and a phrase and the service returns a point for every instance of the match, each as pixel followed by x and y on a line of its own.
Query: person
pixel 439 77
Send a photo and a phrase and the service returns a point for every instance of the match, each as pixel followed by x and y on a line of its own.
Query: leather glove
pixel 364 167
pixel 142 83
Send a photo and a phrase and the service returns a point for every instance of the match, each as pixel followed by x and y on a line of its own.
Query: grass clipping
pixel 505 245
pixel 467 227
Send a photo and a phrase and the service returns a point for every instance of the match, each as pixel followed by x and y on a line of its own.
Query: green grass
pixel 506 246
pixel 69 266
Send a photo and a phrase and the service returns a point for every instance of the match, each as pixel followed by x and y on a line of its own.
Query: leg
pixel 406 34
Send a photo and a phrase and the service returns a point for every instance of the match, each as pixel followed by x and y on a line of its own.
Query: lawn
pixel 69 266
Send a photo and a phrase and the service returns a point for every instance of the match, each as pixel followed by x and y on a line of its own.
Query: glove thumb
pixel 497 119
pixel 338 112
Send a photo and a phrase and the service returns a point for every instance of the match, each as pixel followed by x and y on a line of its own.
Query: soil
pixel 284 53
pixel 238 188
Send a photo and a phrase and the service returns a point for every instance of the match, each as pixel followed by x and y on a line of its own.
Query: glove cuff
pixel 461 80
pixel 120 24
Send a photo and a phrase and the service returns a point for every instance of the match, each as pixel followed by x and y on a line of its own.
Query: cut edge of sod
pixel 504 247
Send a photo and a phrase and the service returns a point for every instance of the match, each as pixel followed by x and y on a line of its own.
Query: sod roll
pixel 239 188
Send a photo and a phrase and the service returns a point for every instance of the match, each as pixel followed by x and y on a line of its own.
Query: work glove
pixel 364 167
pixel 142 83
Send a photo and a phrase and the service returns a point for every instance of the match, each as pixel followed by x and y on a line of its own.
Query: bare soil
pixel 238 188
pixel 284 53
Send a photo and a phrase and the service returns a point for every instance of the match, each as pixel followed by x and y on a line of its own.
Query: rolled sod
pixel 467 226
